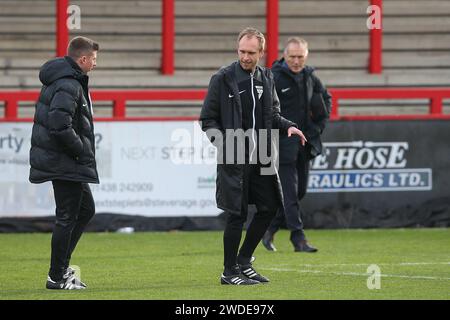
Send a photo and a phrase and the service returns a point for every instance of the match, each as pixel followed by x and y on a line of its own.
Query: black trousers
pixel 75 207
pixel 294 180
pixel 260 190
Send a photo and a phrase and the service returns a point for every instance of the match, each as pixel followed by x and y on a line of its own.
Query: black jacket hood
pixel 58 68
pixel 278 65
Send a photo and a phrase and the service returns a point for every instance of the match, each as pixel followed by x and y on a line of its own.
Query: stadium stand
pixel 415 45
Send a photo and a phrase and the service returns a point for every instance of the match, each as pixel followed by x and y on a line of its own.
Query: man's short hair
pixel 296 40
pixel 251 32
pixel 81 46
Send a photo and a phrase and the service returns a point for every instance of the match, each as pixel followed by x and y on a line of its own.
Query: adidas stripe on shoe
pixel 237 280
pixel 250 272
pixel 71 272
pixel 67 283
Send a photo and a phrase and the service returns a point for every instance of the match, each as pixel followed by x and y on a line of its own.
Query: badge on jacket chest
pixel 259 89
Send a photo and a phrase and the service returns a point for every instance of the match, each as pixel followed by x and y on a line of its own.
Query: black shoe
pixel 71 272
pixel 67 283
pixel 303 246
pixel 250 272
pixel 267 241
pixel 237 279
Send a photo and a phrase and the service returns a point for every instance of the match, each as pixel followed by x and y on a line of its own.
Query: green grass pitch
pixel 414 264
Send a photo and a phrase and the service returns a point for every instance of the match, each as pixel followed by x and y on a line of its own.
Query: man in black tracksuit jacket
pixel 243 96
pixel 63 151
pixel 305 101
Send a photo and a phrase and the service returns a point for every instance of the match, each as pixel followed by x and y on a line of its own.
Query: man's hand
pixel 294 130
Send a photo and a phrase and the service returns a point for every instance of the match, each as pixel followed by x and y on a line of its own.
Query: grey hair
pixel 296 40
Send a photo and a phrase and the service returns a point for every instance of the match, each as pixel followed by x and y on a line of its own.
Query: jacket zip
pixel 254 121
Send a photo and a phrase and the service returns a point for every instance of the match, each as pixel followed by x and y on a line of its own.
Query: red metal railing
pixel 62 32
pixel 272 18
pixel 376 39
pixel 12 99
pixel 168 35
pixel 120 98
pixel 434 95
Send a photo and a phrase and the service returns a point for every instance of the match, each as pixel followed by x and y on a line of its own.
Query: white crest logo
pixel 259 89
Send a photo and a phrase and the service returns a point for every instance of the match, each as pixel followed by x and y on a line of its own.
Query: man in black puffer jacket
pixel 63 151
pixel 305 101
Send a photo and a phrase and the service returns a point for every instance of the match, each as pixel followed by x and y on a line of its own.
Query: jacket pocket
pixel 87 155
pixel 318 108
pixel 289 147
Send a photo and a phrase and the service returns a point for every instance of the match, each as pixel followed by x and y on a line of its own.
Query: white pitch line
pixel 367 264
pixel 421 263
pixel 357 274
